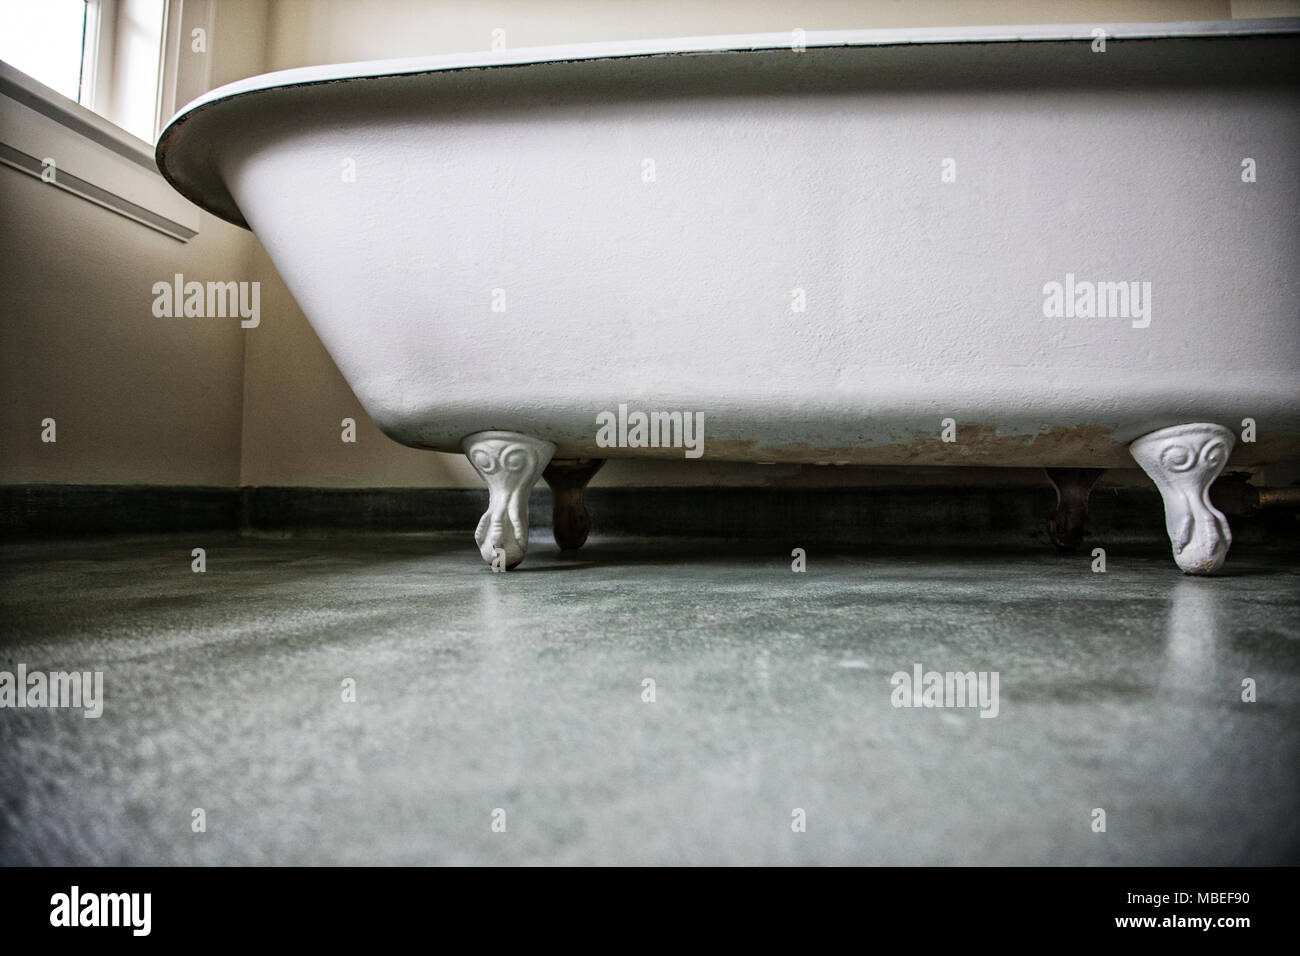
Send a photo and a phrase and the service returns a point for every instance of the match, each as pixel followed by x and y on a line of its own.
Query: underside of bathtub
pixel 1182 460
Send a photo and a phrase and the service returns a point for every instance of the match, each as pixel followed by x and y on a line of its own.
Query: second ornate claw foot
pixel 1073 486
pixel 510 464
pixel 568 480
pixel 1183 461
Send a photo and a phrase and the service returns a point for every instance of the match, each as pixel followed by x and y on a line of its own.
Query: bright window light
pixel 138 56
pixel 44 40
pixel 105 54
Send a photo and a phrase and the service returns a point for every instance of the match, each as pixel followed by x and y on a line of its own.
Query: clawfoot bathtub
pixel 1069 247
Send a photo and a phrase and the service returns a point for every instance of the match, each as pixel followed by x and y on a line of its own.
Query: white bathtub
pixel 833 246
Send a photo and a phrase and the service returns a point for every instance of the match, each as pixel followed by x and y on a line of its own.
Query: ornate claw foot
pixel 568 480
pixel 1073 486
pixel 510 464
pixel 1183 461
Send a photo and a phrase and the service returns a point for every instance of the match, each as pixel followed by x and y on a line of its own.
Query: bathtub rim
pixel 209 192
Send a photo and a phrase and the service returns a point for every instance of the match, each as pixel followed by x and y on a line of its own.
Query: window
pixel 85 86
pixel 45 41
pixel 104 54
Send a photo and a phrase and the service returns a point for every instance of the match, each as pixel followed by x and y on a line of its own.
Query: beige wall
pixel 307 32
pixel 136 399
pixel 141 400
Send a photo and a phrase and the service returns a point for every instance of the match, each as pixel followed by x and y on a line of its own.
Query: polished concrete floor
pixel 520 699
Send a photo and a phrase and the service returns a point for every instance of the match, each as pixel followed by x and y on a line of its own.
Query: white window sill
pixel 93 158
